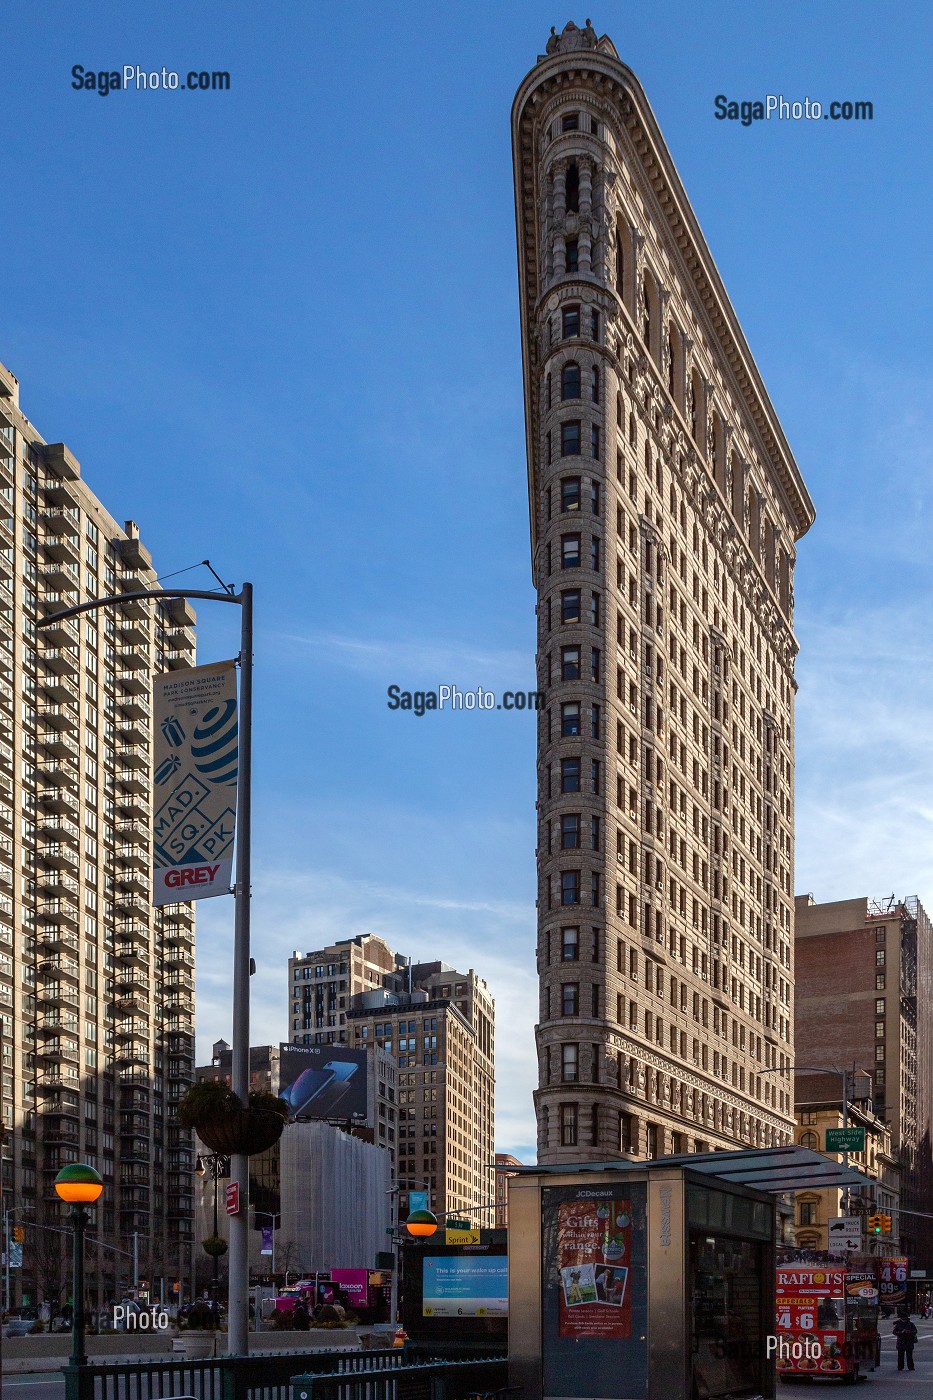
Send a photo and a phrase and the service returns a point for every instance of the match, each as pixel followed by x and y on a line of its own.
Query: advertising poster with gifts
pixel 593 1252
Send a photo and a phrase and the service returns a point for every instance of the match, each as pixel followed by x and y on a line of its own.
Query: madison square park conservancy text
pixel 132 78
pixel 448 697
pixel 780 109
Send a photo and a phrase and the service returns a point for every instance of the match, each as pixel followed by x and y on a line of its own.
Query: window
pixel 879 1006
pixel 569 944
pixel 594 126
pixel 570 719
pixel 594 324
pixel 570 555
pixel 570 380
pixel 573 255
pixel 568 1124
pixel 570 775
pixel 880 935
pixel 570 831
pixel 570 321
pixel 569 1063
pixel 570 665
pixel 570 438
pixel 570 999
pixel 570 887
pixel 571 122
pixel 811 1140
pixel 570 493
pixel 594 385
pixel 808 1210
pixel 570 605
pixel 879 982
pixel 879 957
pixel 595 443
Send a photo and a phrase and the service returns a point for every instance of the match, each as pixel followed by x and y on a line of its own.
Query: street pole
pixel 136 1261
pixel 238 1285
pixel 238 1300
pixel 79 1218
pixel 6 1256
pixel 216 1260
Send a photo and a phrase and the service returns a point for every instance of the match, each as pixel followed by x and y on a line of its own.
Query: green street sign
pixel 845 1139
pixel 458 1225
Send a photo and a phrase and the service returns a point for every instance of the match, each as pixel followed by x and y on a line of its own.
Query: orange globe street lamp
pixel 78 1185
pixel 421 1224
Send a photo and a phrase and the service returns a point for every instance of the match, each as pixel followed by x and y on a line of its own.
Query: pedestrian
pixel 300 1319
pixel 906 1334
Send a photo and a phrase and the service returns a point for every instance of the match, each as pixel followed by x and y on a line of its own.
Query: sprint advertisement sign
pixel 194 799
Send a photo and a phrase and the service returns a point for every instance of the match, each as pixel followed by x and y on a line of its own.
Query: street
pixel 884 1382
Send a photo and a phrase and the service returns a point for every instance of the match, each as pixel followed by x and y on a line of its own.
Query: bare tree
pixel 48 1254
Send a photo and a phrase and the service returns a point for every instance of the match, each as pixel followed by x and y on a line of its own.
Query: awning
pixel 776 1169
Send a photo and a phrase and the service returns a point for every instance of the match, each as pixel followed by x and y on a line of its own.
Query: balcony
pixel 57 884
pixel 133 954
pixel 63 549
pixel 58 492
pixel 59 1131
pixel 60 1050
pixel 179 660
pixel 176 955
pixel 60 577
pixel 63 632
pixel 133 732
pixel 58 857
pixel 134 857
pixel 58 717
pixel 57 1020
pixel 60 912
pixel 57 994
pixel 62 519
pixel 135 705
pixel 132 756
pixel 134 631
pixel 59 967
pixel 60 829
pixel 61 801
pixel 129 882
pixel 58 770
pixel 61 661
pixel 133 683
pixel 55 938
pixel 133 931
pixel 59 689
pixel 135 780
pixel 132 659
pixel 133 804
pixel 58 744
pixel 57 1077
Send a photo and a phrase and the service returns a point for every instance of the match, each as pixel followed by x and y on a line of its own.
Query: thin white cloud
pixel 412 662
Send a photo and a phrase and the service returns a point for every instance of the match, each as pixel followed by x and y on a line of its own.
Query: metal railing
pixel 385 1374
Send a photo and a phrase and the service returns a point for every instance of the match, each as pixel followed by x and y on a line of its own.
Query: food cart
pixel 826 1321
pixel 649 1280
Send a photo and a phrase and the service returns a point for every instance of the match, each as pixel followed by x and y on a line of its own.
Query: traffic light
pixel 876 1224
pixel 885 1224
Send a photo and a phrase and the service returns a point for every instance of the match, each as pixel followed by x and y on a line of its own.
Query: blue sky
pixel 279 327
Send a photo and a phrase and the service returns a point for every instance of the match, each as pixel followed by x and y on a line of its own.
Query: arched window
pixel 754 521
pixel 620 261
pixel 696 408
pixel 671 360
pixel 811 1140
pixel 570 380
pixel 646 316
pixel 573 188
pixel 594 384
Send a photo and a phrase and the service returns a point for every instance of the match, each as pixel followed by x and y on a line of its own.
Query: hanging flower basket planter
pixel 225 1125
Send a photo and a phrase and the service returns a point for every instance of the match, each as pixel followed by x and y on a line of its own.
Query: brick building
pixel 864 998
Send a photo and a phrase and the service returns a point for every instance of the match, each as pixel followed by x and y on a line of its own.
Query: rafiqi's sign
pixel 194 800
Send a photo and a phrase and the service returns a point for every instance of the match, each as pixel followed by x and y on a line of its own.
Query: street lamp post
pixel 238 1269
pixel 79 1185
pixel 218 1167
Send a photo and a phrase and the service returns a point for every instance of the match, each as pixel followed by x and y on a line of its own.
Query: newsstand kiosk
pixel 649 1281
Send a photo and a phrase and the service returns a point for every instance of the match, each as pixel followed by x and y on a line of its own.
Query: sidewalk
pixel 45 1353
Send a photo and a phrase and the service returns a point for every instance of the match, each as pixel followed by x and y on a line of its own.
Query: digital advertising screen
pixel 465 1286
pixel 324 1081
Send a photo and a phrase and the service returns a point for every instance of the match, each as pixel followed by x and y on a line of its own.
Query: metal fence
pixel 266 1377
pixel 426 1380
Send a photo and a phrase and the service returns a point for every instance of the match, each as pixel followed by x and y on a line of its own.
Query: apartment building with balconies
pixel 96 985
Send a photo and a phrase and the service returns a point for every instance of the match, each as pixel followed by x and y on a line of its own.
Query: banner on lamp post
pixel 266 1240
pixel 195 756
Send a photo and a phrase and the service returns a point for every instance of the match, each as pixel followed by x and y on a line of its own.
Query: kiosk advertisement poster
pixel 593 1252
pixel 893 1279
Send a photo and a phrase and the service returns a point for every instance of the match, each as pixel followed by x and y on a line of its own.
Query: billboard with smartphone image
pixel 324 1081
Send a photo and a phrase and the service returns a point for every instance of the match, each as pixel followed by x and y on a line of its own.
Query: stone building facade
pixel 665 507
